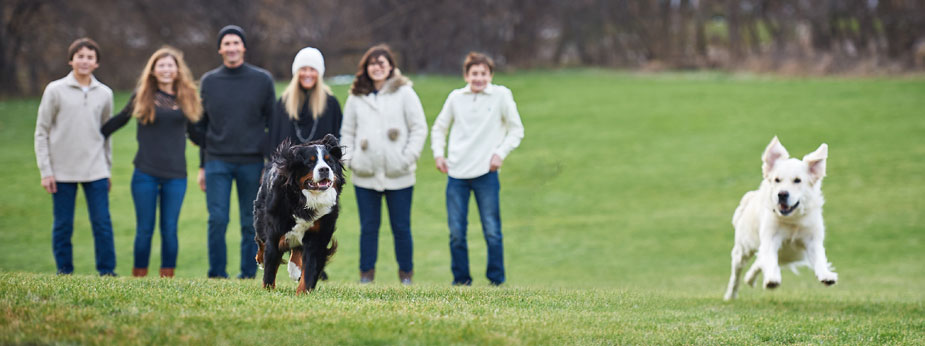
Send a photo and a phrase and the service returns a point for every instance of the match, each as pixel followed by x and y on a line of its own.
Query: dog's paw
pixel 769 284
pixel 828 279
pixel 294 272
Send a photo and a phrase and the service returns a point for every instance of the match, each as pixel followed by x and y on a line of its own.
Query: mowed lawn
pixel 616 214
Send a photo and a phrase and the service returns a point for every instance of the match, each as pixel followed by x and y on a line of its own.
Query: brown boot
pixel 405 277
pixel 139 272
pixel 367 276
pixel 167 272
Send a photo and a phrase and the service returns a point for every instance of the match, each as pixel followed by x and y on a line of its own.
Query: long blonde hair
pixel 294 97
pixel 185 89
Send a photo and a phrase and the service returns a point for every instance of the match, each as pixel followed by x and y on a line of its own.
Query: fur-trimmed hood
pixel 397 81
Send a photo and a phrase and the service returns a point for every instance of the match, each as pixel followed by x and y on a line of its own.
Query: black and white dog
pixel 296 210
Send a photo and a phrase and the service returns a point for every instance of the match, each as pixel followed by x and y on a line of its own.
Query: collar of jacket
pixel 397 81
pixel 489 89
pixel 71 81
pixel 390 87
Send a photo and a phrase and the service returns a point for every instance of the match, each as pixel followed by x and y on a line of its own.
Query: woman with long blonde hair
pixel 307 110
pixel 166 104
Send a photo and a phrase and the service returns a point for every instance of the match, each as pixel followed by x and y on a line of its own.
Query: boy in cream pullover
pixel 71 150
pixel 485 129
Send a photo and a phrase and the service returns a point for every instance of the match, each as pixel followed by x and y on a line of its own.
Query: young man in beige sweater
pixel 484 127
pixel 70 150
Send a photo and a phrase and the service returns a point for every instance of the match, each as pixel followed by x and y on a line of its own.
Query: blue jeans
pixel 369 206
pixel 97 195
pixel 146 189
pixel 219 175
pixel 486 188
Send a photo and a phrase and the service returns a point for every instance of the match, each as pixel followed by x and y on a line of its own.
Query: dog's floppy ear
pixel 774 152
pixel 282 156
pixel 282 150
pixel 816 162
pixel 285 160
pixel 333 147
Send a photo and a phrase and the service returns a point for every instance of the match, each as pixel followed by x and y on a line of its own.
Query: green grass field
pixel 616 211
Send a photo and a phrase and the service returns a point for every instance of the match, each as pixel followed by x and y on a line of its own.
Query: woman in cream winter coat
pixel 383 130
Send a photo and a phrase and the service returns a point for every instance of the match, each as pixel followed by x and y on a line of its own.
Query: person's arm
pixel 510 119
pixel 268 110
pixel 48 111
pixel 438 134
pixel 348 128
pixel 269 103
pixel 192 132
pixel 336 114
pixel 105 115
pixel 117 122
pixel 277 134
pixel 417 126
pixel 200 128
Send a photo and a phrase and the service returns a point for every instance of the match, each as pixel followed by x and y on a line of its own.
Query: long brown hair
pixel 185 89
pixel 294 97
pixel 362 83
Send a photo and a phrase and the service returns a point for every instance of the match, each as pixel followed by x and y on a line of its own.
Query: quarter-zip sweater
pixel 237 104
pixel 483 124
pixel 68 142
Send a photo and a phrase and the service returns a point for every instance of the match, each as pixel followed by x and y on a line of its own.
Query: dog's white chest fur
pixel 322 203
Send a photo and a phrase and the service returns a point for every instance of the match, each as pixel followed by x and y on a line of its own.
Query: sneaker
pixel 110 274
pixel 462 283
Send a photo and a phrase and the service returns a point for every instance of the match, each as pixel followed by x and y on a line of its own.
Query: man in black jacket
pixel 237 100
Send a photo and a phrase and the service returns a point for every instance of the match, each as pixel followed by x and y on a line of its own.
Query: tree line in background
pixel 432 36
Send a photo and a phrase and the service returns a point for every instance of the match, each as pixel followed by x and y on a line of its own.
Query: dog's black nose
pixel 324 171
pixel 782 196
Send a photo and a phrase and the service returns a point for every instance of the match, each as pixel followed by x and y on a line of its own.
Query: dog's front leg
pixel 313 261
pixel 815 254
pixel 309 279
pixel 768 257
pixel 271 256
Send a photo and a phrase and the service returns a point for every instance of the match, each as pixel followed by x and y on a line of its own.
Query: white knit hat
pixel 308 56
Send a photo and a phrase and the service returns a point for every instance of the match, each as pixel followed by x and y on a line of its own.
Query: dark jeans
pixel 146 189
pixel 486 189
pixel 369 206
pixel 97 195
pixel 219 176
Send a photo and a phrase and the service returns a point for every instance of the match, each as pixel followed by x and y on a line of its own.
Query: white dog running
pixel 782 220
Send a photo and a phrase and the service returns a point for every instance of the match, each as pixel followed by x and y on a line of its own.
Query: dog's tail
pixel 746 200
